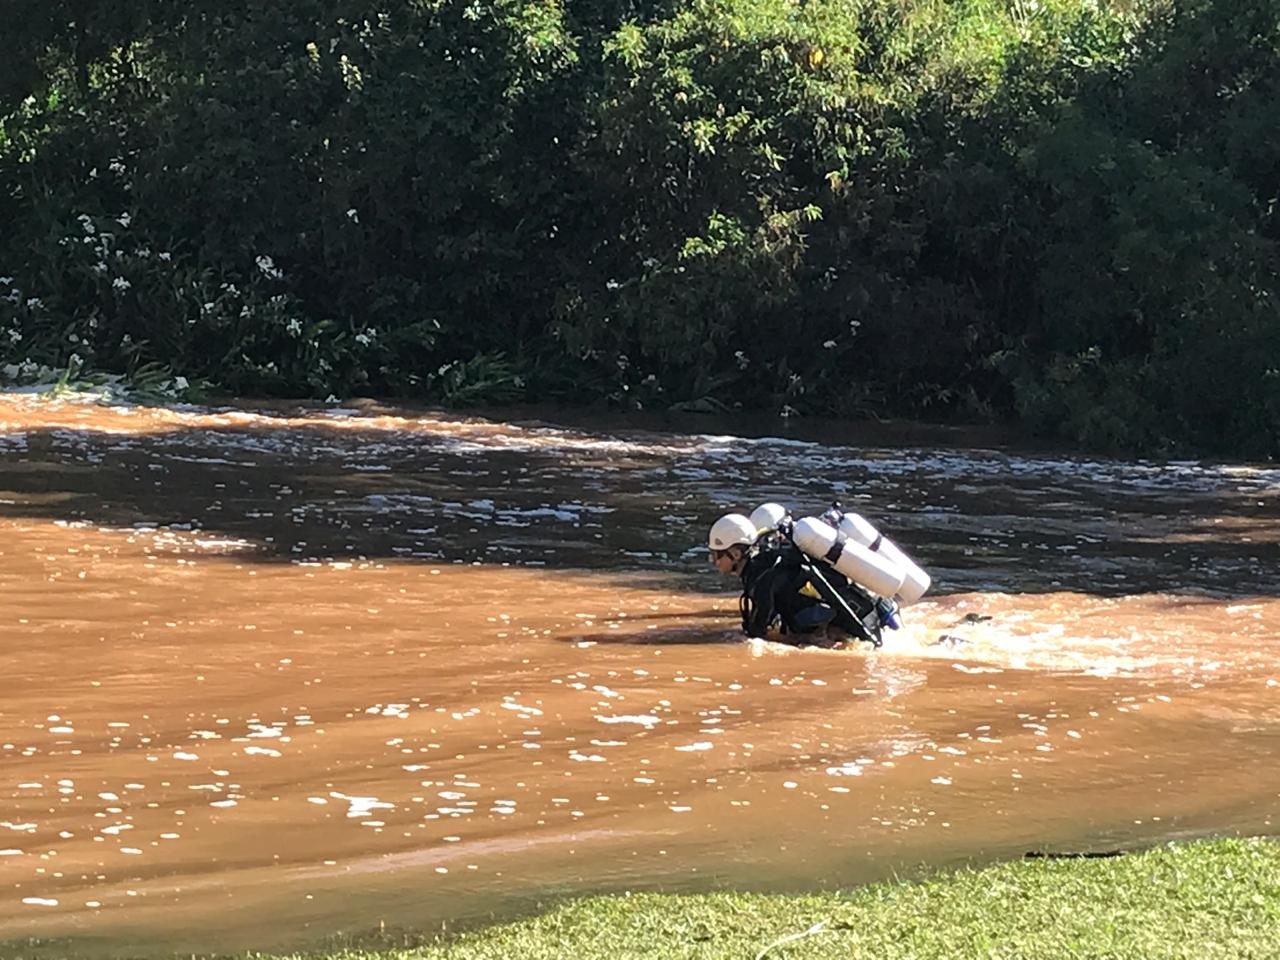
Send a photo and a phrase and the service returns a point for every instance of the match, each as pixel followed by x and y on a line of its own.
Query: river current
pixel 273 676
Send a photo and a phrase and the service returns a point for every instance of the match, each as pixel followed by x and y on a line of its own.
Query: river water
pixel 275 676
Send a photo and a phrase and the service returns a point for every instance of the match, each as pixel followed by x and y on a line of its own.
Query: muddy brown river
pixel 275 676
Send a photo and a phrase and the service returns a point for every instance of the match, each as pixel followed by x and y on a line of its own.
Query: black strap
pixel 875 544
pixel 845 616
pixel 837 548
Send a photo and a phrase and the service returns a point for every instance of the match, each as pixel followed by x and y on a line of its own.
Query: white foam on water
pixel 361 807
pixel 845 770
pixel 531 711
pixel 644 720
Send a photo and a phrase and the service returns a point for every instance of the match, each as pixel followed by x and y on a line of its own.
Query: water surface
pixel 274 675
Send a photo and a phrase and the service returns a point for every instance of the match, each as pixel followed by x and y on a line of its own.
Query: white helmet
pixel 733 529
pixel 767 516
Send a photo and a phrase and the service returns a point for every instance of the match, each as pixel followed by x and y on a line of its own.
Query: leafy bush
pixel 1058 213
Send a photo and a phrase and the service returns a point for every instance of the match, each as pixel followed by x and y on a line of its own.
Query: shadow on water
pixel 686 636
pixel 468 490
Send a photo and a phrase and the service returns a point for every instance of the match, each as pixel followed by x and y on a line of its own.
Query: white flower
pixel 181 383
pixel 351 75
pixel 166 256
pixel 116 167
pixel 35 303
pixel 15 336
pixel 99 267
pixel 741 357
pixel 121 284
pixel 124 220
pixel 353 216
pixel 830 344
pixel 6 280
pixel 363 339
pixel 294 327
pixel 268 268
pixel 93 174
pixel 207 307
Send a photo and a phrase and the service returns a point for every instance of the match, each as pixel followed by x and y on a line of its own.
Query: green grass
pixel 1198 901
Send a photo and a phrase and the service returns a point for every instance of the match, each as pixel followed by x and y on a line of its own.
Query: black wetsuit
pixel 772 585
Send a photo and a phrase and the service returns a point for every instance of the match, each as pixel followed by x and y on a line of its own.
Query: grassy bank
pixel 1217 899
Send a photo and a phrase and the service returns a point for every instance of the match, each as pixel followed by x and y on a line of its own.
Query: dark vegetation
pixel 1059 214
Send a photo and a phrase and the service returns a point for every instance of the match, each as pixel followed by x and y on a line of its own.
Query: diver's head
pixel 730 540
pixel 769 516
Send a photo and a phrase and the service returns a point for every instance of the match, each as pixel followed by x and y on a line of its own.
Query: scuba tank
pixel 875 571
pixel 854 570
pixel 914 580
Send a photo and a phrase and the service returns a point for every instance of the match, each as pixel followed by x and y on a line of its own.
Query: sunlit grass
pixel 1201 901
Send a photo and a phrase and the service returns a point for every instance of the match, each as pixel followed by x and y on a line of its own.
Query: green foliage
pixel 1055 212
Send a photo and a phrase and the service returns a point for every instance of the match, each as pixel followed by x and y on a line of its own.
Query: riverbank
pixel 1213 899
pixel 793 262
pixel 114 391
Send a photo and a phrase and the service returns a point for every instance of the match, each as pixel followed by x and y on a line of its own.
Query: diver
pixel 782 586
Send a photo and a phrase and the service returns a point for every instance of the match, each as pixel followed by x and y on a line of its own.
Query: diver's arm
pixel 760 609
